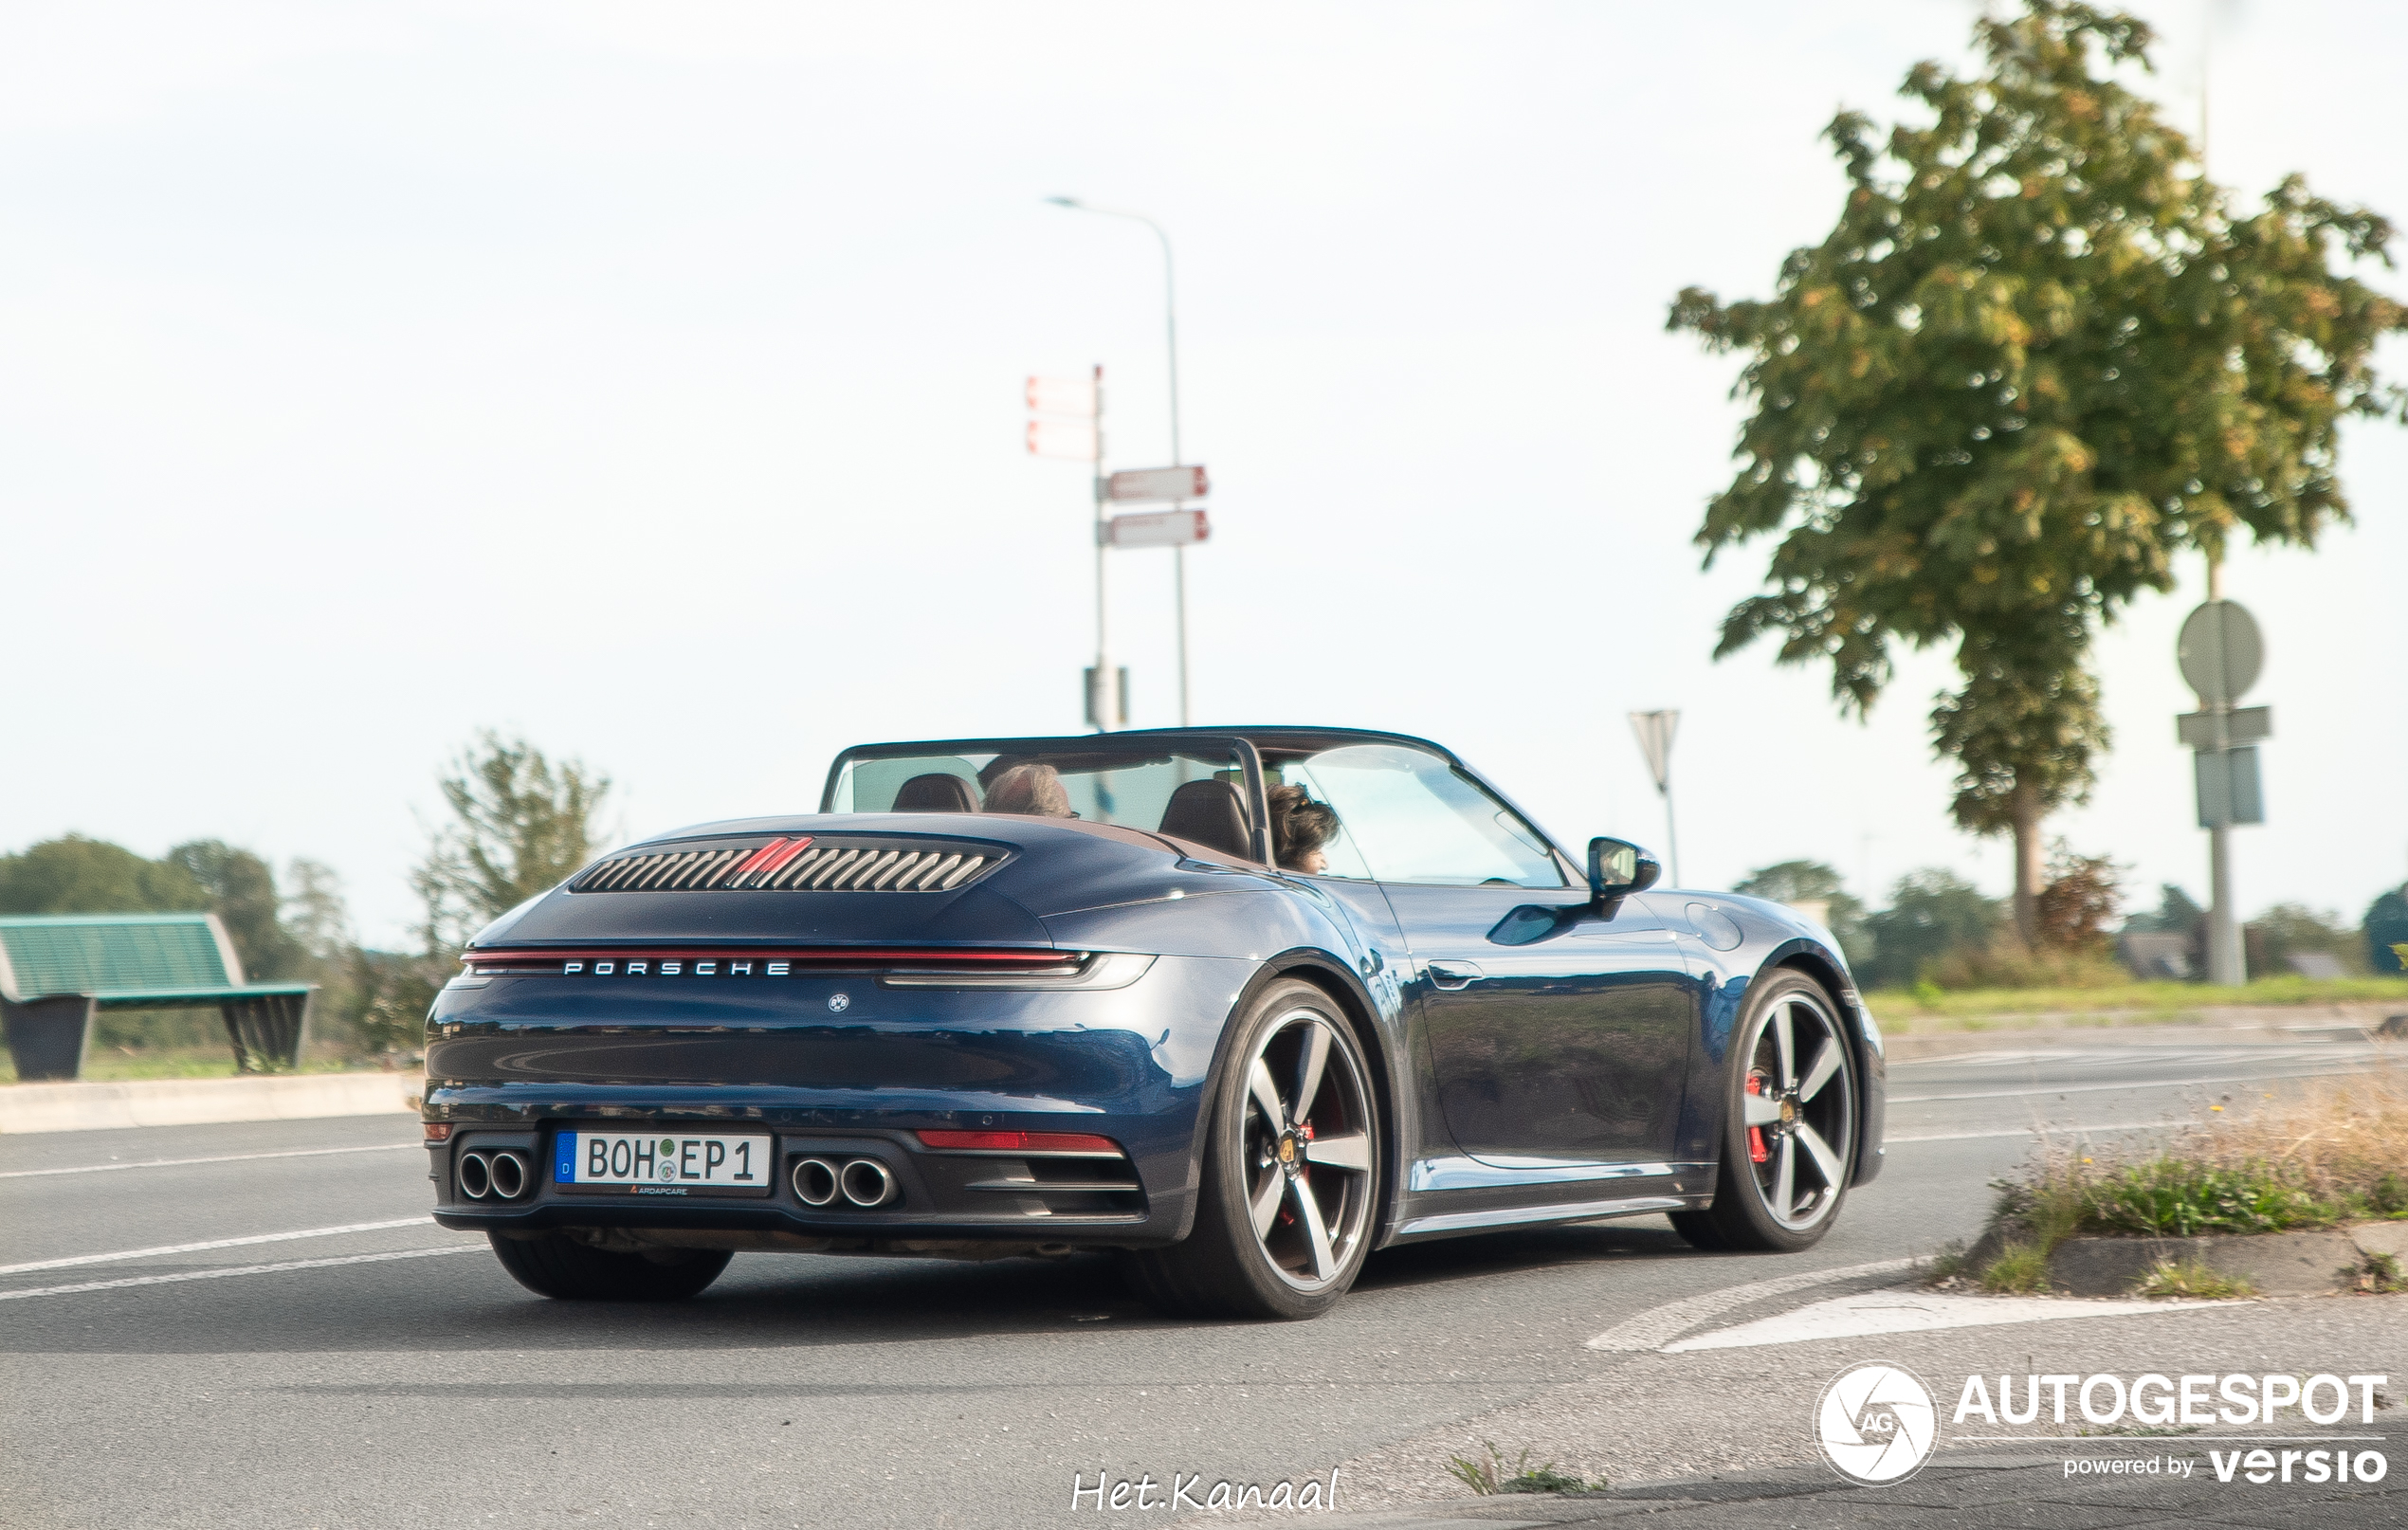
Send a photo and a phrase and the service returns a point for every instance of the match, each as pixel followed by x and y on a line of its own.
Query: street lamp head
pixel 1063 201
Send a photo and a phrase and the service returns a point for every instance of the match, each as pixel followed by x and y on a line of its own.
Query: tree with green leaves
pixel 242 890
pixel 2039 357
pixel 76 875
pixel 520 825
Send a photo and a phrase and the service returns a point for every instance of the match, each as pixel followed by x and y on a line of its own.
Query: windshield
pixel 1196 793
pixel 1405 815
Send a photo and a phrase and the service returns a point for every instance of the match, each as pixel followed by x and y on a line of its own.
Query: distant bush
pixel 2295 929
pixel 1931 912
pixel 2007 962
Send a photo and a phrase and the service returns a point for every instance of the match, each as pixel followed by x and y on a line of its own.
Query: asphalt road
pixel 392 1374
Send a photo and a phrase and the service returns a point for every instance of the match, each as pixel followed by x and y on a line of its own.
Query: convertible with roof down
pixel 1241 1004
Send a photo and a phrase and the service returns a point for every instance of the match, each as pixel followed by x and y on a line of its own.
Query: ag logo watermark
pixel 1876 1424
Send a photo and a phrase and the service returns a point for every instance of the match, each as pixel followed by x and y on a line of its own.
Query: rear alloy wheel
pixel 553 1264
pixel 1790 1126
pixel 1290 1174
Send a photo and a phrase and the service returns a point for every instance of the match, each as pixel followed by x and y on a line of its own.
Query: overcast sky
pixel 646 380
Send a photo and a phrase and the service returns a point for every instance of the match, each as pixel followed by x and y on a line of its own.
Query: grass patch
pixel 112 1066
pixel 1929 1007
pixel 2324 1153
pixel 2192 1279
pixel 1496 1475
pixel 2021 1270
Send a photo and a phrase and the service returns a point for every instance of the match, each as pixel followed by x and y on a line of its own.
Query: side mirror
pixel 1618 869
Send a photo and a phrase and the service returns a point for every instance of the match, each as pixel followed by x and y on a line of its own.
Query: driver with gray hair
pixel 1033 789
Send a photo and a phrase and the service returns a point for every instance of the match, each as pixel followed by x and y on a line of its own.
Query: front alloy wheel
pixel 1791 1126
pixel 1291 1172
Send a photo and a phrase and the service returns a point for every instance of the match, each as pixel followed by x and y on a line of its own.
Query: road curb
pixel 2276 1264
pixel 87 1108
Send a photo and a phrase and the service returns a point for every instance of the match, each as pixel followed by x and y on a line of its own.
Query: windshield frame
pixel 1145 741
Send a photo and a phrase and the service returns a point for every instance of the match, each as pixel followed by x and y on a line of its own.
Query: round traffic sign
pixel 2219 651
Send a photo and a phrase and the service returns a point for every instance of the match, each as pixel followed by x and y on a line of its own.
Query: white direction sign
pixel 1156 528
pixel 1061 395
pixel 1157 485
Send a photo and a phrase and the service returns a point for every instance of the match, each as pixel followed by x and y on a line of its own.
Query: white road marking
pixel 216 1242
pixel 2034 1131
pixel 173 1163
pixel 2111 1056
pixel 1908 1311
pixel 1659 1325
pixel 245 1270
pixel 2096 1088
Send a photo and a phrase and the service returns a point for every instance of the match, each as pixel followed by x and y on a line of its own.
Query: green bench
pixel 57 971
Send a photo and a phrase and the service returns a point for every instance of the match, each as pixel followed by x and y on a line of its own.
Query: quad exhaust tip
pixel 508 1173
pixel 868 1182
pixel 863 1182
pixel 500 1176
pixel 816 1181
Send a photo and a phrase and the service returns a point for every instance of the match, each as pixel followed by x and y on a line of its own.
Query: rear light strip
pixel 1018 1142
pixel 774 962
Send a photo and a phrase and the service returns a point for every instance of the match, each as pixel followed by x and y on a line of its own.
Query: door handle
pixel 1452 974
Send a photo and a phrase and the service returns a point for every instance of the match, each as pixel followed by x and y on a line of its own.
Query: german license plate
pixel 661 1163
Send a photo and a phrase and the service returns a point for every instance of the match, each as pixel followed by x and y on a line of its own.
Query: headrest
pixel 1211 813
pixel 935 793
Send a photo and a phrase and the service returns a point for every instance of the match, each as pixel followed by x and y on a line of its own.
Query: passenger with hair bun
pixel 1299 828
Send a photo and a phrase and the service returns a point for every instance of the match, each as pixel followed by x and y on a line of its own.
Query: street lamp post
pixel 1171 339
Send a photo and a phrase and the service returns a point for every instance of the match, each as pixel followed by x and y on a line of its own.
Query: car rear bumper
pixel 514 1065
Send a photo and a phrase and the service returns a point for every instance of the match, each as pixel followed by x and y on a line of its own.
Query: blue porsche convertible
pixel 1242 1005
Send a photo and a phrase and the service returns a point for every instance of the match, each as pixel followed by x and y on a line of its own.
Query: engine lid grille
pixel 841 862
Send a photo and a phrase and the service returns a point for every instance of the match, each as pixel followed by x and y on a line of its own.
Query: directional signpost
pixel 2220 654
pixel 1158 528
pixel 1065 419
pixel 1156 486
pixel 1178 529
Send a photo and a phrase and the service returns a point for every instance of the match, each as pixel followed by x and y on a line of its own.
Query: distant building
pixel 2157 956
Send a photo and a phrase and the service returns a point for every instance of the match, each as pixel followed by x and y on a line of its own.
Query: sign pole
pixel 1100 687
pixel 2227 965
pixel 1178 555
pixel 2220 653
pixel 1655 730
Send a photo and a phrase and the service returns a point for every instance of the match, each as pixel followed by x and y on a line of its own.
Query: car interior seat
pixel 935 793
pixel 1210 813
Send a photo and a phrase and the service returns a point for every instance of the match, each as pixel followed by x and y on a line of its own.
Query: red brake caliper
pixel 1757 1152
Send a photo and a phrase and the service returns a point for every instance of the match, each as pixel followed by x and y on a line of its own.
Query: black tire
pixel 1311 1185
pixel 558 1266
pixel 1806 1108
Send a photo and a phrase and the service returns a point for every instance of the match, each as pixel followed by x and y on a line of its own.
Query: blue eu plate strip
pixel 564 1167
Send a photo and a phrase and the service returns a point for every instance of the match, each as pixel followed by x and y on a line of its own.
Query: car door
pixel 1554 1038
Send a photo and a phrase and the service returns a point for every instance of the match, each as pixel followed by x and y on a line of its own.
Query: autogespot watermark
pixel 1878 1425
pixel 1186 1490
